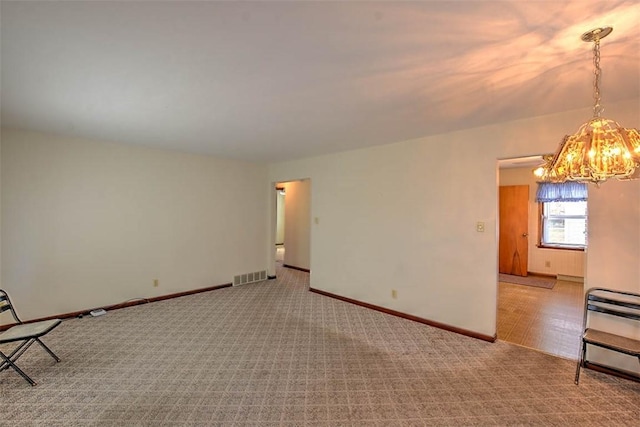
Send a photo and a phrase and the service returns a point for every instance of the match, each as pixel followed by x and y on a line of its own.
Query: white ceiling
pixel 266 81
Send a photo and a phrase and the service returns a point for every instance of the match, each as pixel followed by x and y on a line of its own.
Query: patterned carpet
pixel 274 354
pixel 537 281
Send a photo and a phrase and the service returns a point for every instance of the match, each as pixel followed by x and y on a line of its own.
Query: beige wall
pixel 564 262
pixel 403 216
pixel 297 224
pixel 613 257
pixel 1 286
pixel 87 224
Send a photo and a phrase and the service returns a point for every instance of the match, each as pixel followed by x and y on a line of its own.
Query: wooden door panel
pixel 514 229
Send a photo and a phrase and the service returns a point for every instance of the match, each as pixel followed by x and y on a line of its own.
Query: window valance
pixel 562 191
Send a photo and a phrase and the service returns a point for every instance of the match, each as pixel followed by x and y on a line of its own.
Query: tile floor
pixel 549 320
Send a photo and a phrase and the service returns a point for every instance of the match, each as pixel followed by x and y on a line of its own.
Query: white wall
pixel 297 224
pixel 564 262
pixel 87 224
pixel 613 257
pixel 403 216
pixel 0 211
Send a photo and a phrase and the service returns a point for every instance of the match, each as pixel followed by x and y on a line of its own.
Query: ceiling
pixel 269 81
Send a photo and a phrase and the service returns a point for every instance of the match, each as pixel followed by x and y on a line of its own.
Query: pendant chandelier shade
pixel 601 149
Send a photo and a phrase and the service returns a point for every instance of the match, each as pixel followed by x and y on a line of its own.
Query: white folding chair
pixel 24 334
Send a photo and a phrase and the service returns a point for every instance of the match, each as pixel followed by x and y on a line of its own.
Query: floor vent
pixel 243 279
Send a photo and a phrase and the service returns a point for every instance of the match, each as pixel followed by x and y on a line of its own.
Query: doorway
pixel 281 194
pixel 545 319
pixel 292 233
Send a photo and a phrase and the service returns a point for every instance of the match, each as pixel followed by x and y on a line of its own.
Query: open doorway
pixel 540 305
pixel 293 224
pixel 281 194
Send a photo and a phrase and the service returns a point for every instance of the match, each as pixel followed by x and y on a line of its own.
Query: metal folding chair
pixel 25 334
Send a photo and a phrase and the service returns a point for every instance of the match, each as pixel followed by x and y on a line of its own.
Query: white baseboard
pixel 570 278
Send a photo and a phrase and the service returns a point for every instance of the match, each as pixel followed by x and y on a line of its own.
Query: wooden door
pixel 514 226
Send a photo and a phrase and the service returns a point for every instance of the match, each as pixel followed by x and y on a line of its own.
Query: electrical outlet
pixel 394 294
pixel 156 282
pixel 547 264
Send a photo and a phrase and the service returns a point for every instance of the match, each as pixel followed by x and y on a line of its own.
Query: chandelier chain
pixel 597 107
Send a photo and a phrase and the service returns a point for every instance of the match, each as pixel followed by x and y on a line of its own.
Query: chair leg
pixel 16 353
pixel 8 362
pixel 57 359
pixel 583 354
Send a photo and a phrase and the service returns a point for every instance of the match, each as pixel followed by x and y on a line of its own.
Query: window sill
pixel 562 248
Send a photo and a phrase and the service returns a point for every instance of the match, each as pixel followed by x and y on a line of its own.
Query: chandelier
pixel 601 149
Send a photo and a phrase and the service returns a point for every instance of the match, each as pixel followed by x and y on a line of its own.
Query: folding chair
pixel 24 333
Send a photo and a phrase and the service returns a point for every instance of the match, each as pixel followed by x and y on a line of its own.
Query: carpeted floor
pixel 274 354
pixel 537 281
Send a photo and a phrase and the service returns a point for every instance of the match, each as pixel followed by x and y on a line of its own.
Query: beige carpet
pixel 274 354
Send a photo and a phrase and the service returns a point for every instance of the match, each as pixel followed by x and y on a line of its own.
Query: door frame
pixel 271 241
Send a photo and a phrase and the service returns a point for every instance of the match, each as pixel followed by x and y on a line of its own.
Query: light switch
pixel 480 227
pixel 316 220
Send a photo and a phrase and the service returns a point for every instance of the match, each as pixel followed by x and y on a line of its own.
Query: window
pixel 563 215
pixel 564 224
